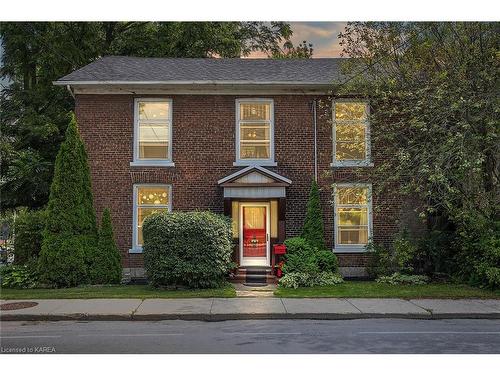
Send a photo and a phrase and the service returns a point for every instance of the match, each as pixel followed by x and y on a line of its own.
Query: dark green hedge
pixel 28 229
pixel 188 249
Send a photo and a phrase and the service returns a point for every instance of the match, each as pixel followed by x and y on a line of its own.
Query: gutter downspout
pixel 315 140
pixel 68 87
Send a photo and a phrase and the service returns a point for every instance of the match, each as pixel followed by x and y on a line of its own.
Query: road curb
pixel 243 316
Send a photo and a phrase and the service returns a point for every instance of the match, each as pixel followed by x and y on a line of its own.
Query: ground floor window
pixel 353 216
pixel 148 198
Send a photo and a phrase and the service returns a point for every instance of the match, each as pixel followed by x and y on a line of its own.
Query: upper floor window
pixel 353 216
pixel 351 133
pixel 254 132
pixel 153 132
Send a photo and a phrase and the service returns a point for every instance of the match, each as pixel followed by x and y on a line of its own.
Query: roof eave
pixel 189 83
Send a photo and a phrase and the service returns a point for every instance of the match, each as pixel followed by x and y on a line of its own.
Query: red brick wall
pixel 204 152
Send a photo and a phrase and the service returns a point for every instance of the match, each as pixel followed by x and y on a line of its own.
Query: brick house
pixel 243 137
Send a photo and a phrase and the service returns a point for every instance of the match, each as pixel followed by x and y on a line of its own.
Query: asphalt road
pixel 258 336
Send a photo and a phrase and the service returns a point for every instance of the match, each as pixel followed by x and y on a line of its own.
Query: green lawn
pixel 347 289
pixel 122 291
pixel 371 289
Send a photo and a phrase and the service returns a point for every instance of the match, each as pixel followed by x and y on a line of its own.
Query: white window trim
pixel 136 249
pixel 263 162
pixel 351 248
pixel 152 162
pixel 367 162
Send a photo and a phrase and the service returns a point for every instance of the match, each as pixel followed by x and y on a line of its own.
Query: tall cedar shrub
pixel 187 249
pixel 106 264
pixel 70 236
pixel 313 224
pixel 28 229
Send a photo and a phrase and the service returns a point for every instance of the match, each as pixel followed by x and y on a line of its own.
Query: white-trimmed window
pixel 152 132
pixel 351 133
pixel 353 217
pixel 254 132
pixel 148 198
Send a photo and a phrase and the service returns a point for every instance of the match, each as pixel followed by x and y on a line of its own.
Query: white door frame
pixel 255 261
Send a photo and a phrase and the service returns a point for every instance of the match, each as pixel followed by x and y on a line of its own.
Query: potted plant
pixel 279 269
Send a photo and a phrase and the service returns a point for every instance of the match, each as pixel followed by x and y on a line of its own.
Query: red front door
pixel 254 234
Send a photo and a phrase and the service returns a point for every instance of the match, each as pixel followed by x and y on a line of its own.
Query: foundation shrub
pixel 187 249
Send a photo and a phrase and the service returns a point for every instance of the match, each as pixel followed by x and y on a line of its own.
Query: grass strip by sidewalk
pixel 120 291
pixel 371 289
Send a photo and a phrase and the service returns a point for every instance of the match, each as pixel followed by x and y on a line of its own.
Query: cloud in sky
pixel 323 36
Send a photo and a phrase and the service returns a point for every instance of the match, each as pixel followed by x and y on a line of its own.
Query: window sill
pixel 263 163
pixel 135 250
pixel 152 163
pixel 349 249
pixel 348 163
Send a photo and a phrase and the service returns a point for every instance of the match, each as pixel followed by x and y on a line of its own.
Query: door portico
pixel 255 199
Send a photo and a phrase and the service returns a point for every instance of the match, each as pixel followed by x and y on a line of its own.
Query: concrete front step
pixel 259 275
pixel 239 278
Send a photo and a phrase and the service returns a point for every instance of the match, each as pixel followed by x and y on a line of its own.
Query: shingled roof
pixel 146 70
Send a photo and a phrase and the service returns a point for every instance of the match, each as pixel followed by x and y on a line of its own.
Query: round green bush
pixel 187 249
pixel 300 256
pixel 327 261
pixel 303 257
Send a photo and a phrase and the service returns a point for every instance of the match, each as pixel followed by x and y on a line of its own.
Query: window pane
pixel 352 195
pixel 350 111
pixel 153 110
pixel 254 150
pixel 152 195
pixel 353 216
pixel 352 236
pixel 254 231
pixel 254 132
pixel 255 111
pixel 350 151
pixel 153 150
pixel 143 213
pixel 153 141
pixel 354 132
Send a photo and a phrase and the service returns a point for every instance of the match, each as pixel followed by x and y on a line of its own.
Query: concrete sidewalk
pixel 216 309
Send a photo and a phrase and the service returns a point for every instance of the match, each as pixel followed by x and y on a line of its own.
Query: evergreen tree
pixel 107 261
pixel 313 224
pixel 70 236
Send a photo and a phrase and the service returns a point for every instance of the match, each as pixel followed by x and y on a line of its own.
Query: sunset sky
pixel 323 36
